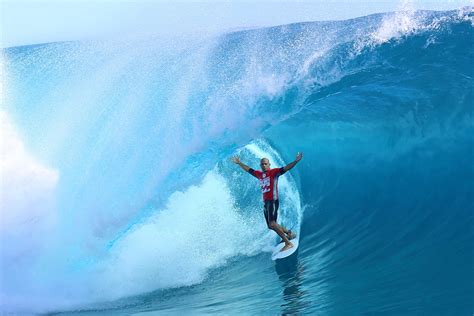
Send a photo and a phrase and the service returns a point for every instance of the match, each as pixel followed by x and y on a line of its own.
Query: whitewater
pixel 118 194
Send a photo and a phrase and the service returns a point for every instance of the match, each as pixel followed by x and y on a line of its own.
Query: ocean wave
pixel 141 134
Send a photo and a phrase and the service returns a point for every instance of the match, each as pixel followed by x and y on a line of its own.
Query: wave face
pixel 118 193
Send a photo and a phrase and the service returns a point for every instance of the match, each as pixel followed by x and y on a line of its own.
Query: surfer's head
pixel 264 164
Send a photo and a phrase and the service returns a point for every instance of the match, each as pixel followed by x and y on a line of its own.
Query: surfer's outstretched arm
pixel 299 156
pixel 237 161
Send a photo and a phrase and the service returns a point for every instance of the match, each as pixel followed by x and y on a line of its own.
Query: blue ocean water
pixel 123 198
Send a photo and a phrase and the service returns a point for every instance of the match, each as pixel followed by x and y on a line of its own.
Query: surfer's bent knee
pixel 272 225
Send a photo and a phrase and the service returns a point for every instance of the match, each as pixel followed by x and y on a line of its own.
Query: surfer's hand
pixel 299 156
pixel 236 159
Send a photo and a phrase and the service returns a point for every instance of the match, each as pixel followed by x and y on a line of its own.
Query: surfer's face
pixel 265 164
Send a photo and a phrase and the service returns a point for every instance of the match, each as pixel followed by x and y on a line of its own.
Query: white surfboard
pixel 277 254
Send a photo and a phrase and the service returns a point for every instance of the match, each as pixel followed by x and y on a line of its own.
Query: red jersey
pixel 268 182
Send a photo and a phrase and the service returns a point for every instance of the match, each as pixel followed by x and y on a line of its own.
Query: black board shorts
pixel 270 210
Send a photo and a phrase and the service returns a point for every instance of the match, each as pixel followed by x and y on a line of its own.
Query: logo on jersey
pixel 265 184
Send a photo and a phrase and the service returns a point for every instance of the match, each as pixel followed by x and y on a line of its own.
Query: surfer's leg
pixel 274 216
pixel 270 212
pixel 286 231
pixel 276 228
pixel 289 234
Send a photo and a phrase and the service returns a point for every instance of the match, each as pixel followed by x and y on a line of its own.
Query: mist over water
pixel 117 180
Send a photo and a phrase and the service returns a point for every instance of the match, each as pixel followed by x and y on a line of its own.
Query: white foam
pixel 402 22
pixel 309 63
pixel 27 214
pixel 466 13
pixel 199 229
pixel 262 83
pixel 27 188
pixel 405 21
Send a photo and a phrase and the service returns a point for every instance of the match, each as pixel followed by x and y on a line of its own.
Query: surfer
pixel 269 184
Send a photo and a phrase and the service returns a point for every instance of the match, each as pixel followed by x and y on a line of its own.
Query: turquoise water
pixel 131 205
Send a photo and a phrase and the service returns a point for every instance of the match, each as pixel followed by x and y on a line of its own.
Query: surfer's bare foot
pixel 287 246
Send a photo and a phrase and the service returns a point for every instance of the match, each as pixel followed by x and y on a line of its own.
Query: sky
pixel 25 22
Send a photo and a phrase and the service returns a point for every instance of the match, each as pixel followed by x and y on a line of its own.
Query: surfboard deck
pixel 277 254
